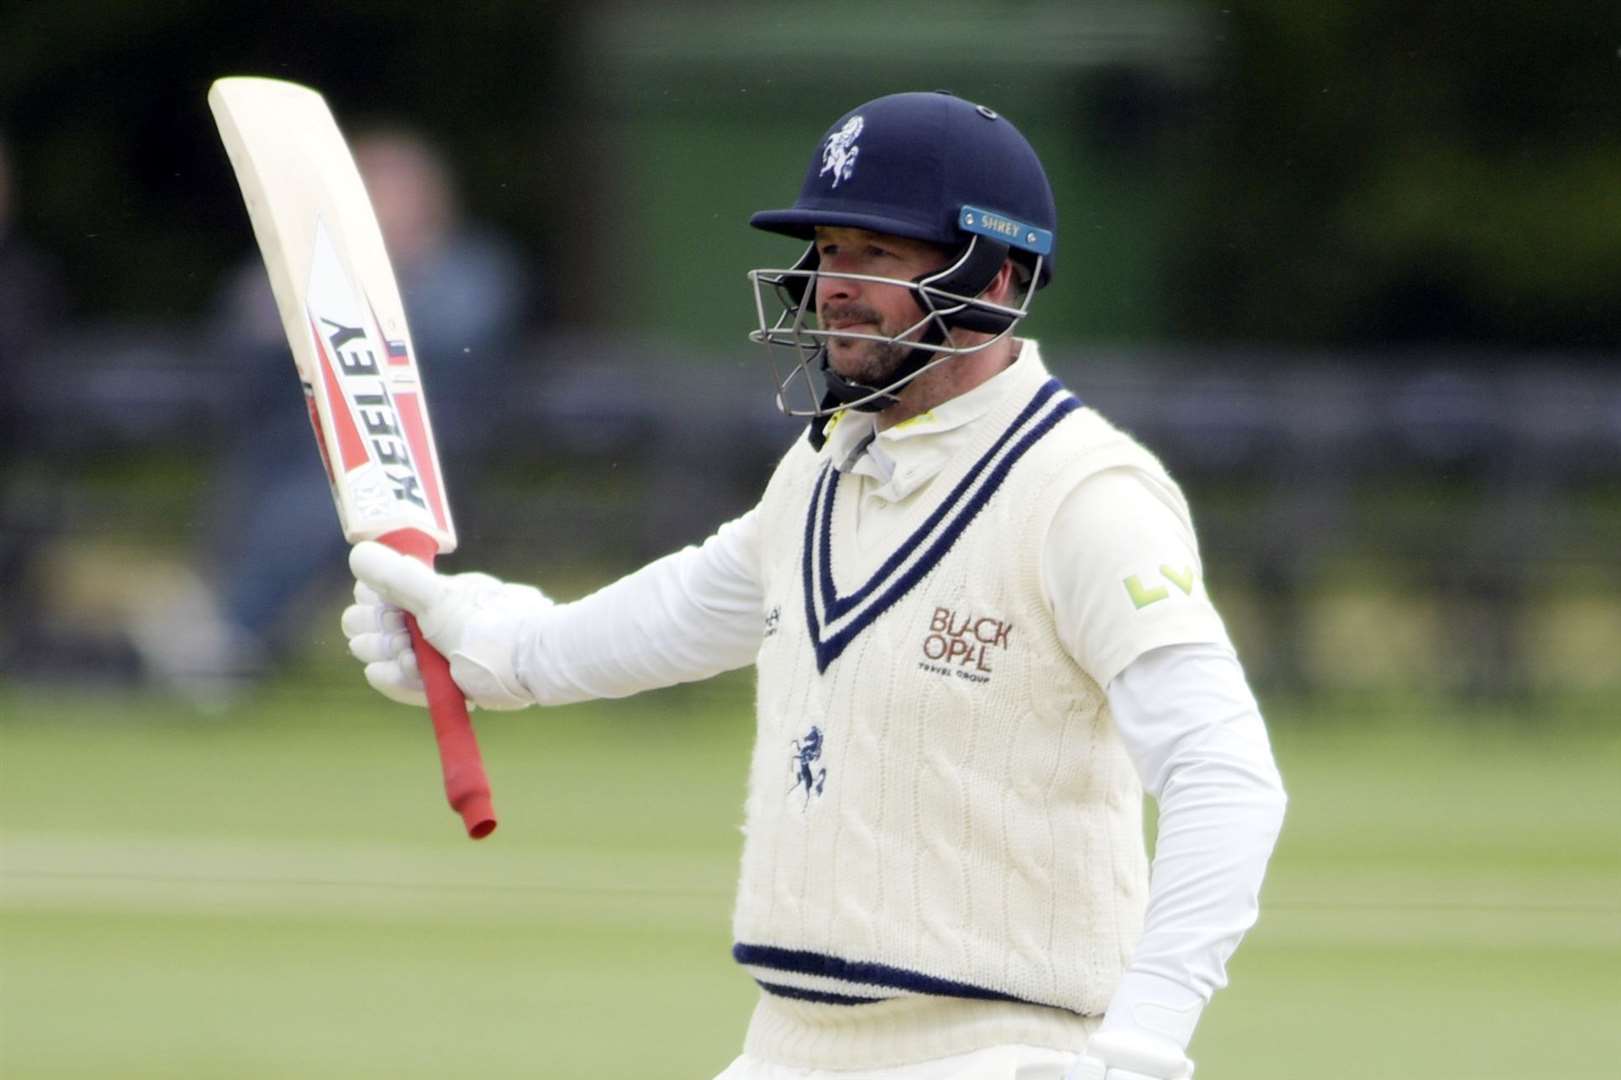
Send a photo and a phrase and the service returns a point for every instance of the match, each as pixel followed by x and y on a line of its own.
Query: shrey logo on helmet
pixel 839 155
pixel 934 168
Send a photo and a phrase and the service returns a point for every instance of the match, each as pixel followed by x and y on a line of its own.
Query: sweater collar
pixel 901 459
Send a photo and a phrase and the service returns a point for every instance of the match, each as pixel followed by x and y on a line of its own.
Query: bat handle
pixel 466 785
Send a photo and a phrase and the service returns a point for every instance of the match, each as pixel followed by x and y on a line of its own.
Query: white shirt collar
pixel 901 459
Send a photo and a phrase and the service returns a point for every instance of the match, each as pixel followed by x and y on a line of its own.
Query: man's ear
pixel 1004 287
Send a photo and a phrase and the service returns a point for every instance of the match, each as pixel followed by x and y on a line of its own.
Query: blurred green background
pixel 285 894
pixel 1249 171
pixel 1355 273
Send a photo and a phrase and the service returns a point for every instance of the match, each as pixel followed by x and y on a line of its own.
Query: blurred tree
pixel 1259 170
pixel 1385 172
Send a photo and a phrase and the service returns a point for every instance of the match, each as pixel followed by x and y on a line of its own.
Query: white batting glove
pixel 1130 1055
pixel 473 619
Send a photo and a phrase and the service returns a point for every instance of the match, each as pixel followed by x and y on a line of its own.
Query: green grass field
pixel 280 892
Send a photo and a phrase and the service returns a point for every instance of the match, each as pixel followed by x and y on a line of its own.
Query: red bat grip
pixel 466 785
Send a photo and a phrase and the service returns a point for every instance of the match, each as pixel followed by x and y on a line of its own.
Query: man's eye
pixel 828 249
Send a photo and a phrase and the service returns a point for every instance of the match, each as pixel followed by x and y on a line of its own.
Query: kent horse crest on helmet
pixel 934 168
pixel 839 155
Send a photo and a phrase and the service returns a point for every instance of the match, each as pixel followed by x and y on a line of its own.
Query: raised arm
pixel 684 617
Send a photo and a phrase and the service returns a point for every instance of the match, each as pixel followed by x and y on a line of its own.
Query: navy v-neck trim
pixel 835 620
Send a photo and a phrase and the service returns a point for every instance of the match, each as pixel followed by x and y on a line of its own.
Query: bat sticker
pixel 387 460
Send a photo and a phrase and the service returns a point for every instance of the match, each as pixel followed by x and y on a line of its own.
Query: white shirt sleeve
pixel 1121 567
pixel 687 616
pixel 1195 734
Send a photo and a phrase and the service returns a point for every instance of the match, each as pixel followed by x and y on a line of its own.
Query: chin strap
pixel 816 429
pixel 846 392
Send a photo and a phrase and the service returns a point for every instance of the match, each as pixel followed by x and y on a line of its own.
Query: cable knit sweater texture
pixel 943 829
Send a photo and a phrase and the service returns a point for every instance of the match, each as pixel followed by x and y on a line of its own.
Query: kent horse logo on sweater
pixel 963 644
pixel 807 752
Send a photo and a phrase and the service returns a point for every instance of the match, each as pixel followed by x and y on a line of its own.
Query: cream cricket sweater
pixel 939 806
pixel 875 893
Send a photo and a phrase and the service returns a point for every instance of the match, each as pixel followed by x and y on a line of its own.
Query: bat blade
pixel 340 307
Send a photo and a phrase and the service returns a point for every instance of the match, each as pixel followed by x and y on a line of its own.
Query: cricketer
pixel 980 630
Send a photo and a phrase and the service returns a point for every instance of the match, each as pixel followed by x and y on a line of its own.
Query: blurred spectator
pixel 31 307
pixel 273 533
pixel 30 296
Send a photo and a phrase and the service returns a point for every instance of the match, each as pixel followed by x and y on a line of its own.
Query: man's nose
pixel 830 286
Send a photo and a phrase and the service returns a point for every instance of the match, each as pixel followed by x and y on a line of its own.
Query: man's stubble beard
pixel 872 363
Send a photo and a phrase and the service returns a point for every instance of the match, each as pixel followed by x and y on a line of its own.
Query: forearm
pixel 1196 734
pixel 684 617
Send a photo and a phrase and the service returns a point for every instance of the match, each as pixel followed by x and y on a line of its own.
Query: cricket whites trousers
pixel 991 1063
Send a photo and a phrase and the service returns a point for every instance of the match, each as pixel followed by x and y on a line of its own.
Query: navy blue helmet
pixel 931 167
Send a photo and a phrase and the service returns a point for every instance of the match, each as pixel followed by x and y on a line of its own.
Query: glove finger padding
pixel 398 579
pixel 372 646
pixel 382 648
pixel 378 638
pixel 372 612
pixel 395 682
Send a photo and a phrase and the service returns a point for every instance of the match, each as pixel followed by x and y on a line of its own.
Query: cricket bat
pixel 341 308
